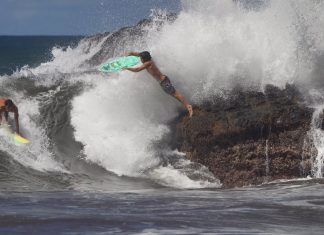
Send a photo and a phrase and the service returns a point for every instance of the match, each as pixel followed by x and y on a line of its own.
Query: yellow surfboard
pixel 20 139
pixel 17 139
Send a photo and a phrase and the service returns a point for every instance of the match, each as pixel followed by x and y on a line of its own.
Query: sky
pixel 75 17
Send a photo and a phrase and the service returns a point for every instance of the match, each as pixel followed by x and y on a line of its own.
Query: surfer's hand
pixel 124 68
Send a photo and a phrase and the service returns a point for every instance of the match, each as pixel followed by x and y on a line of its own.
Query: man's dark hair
pixel 145 55
pixel 9 103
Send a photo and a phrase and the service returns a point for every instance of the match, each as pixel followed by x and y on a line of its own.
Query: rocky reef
pixel 250 137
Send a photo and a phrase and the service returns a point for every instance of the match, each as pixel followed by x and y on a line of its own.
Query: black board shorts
pixel 167 86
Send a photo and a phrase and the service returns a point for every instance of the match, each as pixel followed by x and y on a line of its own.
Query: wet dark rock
pixel 234 136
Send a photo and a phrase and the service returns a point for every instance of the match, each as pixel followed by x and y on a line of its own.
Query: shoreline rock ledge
pixel 250 137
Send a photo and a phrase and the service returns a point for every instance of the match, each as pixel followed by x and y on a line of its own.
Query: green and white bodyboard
pixel 116 64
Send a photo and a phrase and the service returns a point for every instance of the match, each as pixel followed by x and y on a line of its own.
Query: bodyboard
pixel 116 64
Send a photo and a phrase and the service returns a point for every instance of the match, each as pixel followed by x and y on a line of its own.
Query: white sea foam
pixel 36 154
pixel 215 45
pixel 70 60
pixel 118 119
pixel 212 45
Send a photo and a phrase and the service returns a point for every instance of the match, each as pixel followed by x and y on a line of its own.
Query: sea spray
pixel 212 46
pixel 267 158
pixel 36 153
pixel 215 45
pixel 317 137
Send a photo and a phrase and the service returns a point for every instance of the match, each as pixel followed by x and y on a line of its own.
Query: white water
pixel 36 154
pixel 267 158
pixel 317 135
pixel 213 45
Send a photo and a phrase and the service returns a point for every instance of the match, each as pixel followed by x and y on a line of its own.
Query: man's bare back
pixel 154 70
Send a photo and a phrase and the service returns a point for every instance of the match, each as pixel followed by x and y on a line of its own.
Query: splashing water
pixel 211 46
pixel 267 158
pixel 317 135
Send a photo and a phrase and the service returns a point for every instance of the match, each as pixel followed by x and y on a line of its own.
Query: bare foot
pixel 189 107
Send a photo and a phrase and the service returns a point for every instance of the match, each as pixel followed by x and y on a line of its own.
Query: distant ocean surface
pixel 99 160
pixel 17 51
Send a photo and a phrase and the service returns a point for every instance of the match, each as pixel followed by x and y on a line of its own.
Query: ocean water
pixel 281 208
pixel 101 159
pixel 29 50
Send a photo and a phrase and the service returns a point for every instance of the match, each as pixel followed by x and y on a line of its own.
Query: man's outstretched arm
pixel 134 53
pixel 140 68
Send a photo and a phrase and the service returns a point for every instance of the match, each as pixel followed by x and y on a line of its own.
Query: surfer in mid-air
pixel 6 106
pixel 165 82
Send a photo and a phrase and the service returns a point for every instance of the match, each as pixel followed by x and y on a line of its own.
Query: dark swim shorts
pixel 167 86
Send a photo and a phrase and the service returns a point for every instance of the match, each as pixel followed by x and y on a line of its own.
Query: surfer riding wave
pixel 165 82
pixel 6 106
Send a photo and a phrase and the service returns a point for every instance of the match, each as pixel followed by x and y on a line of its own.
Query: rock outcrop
pixel 250 137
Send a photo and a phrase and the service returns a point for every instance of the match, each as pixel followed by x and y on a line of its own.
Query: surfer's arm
pixel 16 120
pixel 133 53
pixel 140 68
pixel 6 115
